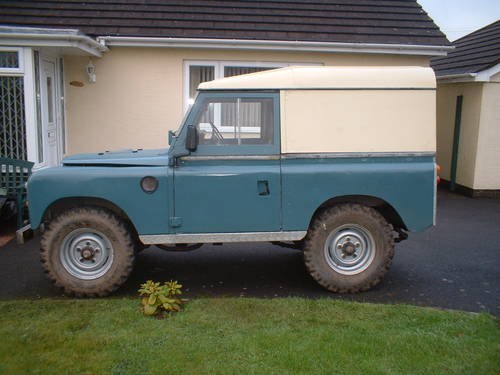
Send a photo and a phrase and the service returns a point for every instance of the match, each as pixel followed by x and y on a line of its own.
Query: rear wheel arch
pixel 383 207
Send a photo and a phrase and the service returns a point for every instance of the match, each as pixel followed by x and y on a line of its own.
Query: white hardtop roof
pixel 315 77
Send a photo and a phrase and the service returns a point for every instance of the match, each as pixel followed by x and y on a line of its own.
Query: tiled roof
pixel 351 21
pixel 473 53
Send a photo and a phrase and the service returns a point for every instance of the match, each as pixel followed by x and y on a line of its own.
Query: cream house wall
pixel 471 110
pixel 487 173
pixel 138 94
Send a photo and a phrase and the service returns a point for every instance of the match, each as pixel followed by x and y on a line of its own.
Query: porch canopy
pixel 59 41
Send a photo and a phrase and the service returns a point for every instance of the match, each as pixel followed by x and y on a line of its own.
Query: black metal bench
pixel 13 176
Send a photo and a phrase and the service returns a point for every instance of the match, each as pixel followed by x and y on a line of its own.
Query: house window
pixel 50 104
pixel 230 71
pixel 197 75
pixel 12 118
pixel 196 72
pixel 13 137
pixel 11 60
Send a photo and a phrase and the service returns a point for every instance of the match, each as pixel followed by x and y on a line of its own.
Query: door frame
pixel 29 69
pixel 59 114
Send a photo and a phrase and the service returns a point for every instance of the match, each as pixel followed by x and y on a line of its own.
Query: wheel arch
pixel 382 206
pixel 67 203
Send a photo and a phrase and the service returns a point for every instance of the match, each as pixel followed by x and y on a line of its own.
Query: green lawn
pixel 244 336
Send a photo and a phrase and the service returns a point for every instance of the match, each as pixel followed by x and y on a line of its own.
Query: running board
pixel 153 239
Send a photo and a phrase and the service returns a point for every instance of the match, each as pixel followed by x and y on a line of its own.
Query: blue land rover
pixel 336 162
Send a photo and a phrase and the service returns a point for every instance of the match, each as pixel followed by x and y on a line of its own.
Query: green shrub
pixel 157 299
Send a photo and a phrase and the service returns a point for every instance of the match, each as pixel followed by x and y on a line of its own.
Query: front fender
pixel 148 212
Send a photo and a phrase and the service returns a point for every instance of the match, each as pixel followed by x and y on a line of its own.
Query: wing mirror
pixel 192 138
pixel 171 136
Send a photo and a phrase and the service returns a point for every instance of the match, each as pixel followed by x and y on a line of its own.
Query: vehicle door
pixel 231 183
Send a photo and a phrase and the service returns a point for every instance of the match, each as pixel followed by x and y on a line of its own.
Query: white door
pixel 49 107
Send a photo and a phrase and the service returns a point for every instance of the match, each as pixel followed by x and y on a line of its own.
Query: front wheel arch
pixel 64 204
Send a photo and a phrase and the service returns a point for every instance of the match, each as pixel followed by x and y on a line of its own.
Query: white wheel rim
pixel 86 253
pixel 349 249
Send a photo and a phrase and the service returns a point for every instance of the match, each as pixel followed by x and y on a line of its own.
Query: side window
pixel 236 121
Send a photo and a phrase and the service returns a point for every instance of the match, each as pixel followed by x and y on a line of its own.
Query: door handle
pixel 263 187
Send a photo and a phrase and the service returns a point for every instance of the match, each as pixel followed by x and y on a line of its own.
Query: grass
pixel 244 335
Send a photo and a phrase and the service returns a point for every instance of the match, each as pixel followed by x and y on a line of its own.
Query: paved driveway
pixel 454 265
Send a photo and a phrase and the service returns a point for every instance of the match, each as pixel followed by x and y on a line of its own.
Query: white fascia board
pixel 457 78
pixel 275 45
pixel 485 75
pixel 35 37
pixel 482 76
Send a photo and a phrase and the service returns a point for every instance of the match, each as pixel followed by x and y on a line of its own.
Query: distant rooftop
pixel 473 53
pixel 402 22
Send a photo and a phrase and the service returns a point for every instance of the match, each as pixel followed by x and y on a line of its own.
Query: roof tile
pixel 473 53
pixel 362 21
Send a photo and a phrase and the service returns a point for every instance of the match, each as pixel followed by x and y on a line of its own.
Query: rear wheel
pixel 349 248
pixel 87 252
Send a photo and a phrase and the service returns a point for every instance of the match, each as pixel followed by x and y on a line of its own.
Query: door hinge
pixel 175 221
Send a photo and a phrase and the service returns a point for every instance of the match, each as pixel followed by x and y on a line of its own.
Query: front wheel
pixel 87 252
pixel 349 248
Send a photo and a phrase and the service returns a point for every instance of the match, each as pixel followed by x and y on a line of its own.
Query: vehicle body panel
pixel 124 157
pixel 120 186
pixel 227 195
pixel 349 120
pixel 405 183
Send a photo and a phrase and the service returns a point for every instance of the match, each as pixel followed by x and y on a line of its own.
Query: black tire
pixel 117 259
pixel 334 225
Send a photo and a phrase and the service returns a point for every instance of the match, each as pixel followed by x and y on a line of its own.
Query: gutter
pixel 32 37
pixel 481 76
pixel 452 78
pixel 274 45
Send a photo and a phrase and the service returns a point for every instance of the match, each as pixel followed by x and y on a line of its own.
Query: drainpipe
pixel 456 142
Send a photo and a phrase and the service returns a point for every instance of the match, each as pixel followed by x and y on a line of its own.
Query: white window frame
pixel 219 66
pixel 26 70
pixel 30 106
pixel 19 71
pixel 219 73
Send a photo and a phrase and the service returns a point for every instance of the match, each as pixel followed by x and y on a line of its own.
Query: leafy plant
pixel 157 298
